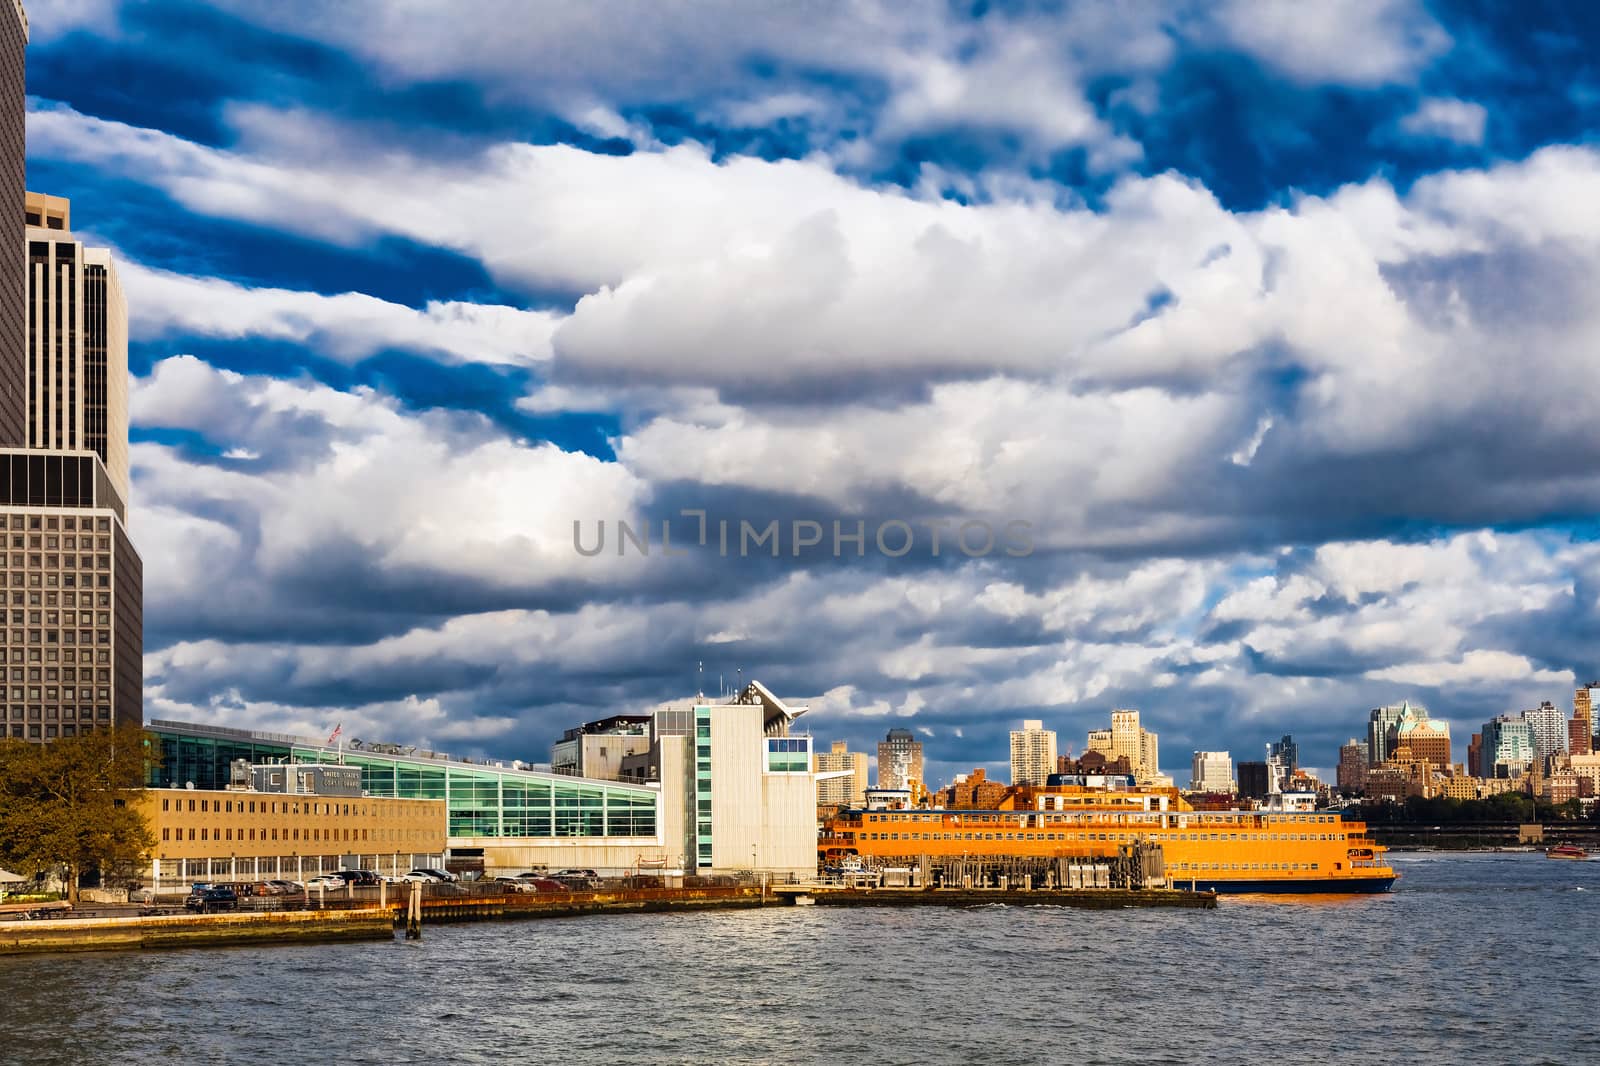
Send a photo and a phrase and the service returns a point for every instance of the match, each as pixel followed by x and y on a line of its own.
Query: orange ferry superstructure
pixel 1225 851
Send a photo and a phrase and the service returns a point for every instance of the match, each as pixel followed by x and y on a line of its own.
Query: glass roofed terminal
pixel 483 799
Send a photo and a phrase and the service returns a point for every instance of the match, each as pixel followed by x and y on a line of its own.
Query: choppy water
pixel 1480 958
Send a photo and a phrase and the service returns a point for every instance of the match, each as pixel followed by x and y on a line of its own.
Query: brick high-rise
pixel 1580 730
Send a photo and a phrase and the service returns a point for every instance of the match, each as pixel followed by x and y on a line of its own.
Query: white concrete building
pixel 738 790
pixel 1033 753
pixel 1549 726
pixel 1212 771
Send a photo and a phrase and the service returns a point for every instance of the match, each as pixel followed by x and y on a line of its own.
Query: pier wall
pixel 183 931
pixel 568 904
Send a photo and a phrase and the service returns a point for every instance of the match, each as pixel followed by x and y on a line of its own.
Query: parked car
pixel 548 884
pixel 427 877
pixel 359 878
pixel 287 888
pixel 443 875
pixel 515 884
pixel 207 900
pixel 582 880
pixel 264 888
pixel 326 883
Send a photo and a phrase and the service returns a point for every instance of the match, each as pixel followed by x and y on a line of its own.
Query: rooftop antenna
pixel 702 685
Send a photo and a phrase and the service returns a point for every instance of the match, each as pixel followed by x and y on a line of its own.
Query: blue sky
pixel 1272 321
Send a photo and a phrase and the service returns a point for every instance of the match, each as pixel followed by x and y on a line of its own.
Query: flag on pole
pixel 336 731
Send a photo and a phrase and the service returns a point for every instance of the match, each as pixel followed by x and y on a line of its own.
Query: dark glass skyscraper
pixel 13 184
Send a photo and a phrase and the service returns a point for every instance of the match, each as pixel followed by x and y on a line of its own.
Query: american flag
pixel 336 731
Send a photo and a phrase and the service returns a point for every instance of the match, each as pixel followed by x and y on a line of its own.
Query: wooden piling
pixel 414 913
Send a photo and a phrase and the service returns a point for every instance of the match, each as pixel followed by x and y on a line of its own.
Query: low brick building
pixel 237 834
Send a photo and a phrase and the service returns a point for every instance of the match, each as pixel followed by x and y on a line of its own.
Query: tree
pixel 68 803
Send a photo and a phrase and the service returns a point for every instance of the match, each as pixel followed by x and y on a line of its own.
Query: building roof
pixel 389 752
pixel 778 715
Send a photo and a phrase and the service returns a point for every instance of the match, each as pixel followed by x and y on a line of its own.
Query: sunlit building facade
pixel 1212 771
pixel 499 813
pixel 1033 753
pixel 77 342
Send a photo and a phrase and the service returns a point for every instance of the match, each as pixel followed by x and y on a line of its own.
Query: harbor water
pixel 1473 958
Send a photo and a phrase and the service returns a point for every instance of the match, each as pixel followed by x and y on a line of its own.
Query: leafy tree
pixel 68 804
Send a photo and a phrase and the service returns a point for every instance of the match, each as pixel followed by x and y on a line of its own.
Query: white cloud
pixel 348 326
pixel 883 72
pixel 1453 120
pixel 54 20
pixel 1474 667
pixel 390 492
pixel 1351 42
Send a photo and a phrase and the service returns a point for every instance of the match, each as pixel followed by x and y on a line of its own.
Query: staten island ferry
pixel 1272 851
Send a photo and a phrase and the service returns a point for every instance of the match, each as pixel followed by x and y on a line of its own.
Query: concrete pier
pixel 186 931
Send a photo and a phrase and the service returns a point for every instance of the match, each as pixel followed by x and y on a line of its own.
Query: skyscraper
pixel 1549 729
pixel 1211 771
pixel 1380 724
pixel 13 184
pixel 1427 738
pixel 1352 774
pixel 1287 752
pixel 77 344
pixel 1580 730
pixel 900 760
pixel 1507 745
pixel 73 642
pixel 72 635
pixel 1033 753
pixel 1254 780
pixel 1127 738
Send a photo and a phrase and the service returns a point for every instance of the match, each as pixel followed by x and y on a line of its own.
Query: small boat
pixel 1566 851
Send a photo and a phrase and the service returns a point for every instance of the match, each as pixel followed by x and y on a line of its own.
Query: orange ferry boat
pixel 1225 851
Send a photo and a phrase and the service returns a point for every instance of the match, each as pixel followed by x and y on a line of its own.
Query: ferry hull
pixel 1297 886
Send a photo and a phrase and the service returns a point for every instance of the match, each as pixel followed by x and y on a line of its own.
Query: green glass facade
pixel 788 755
pixel 482 801
pixel 702 785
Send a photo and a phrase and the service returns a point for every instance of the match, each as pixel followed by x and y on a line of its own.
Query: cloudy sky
pixel 1275 324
